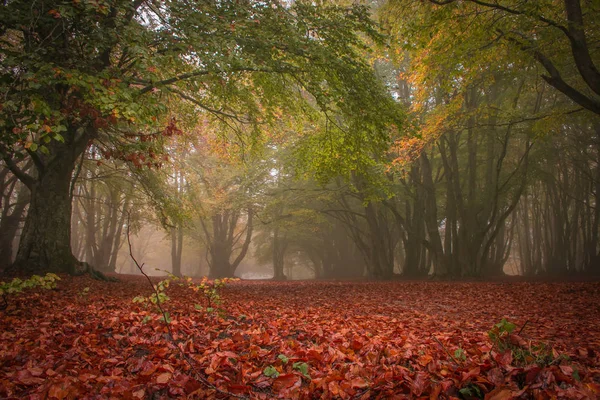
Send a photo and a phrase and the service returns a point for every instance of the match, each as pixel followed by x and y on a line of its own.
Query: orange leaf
pixel 58 391
pixel 148 368
pixel 164 378
pixel 424 360
pixel 24 377
pixel 35 371
pixel 594 387
pixel 286 381
pixel 500 393
pixel 359 383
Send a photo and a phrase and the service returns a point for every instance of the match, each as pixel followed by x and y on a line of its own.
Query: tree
pixel 224 210
pixel 102 198
pixel 75 73
pixel 14 202
pixel 560 38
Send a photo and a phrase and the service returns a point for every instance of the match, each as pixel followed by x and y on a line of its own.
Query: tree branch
pixel 190 75
pixel 204 107
pixel 247 241
pixel 555 79
pixel 27 179
pixel 579 48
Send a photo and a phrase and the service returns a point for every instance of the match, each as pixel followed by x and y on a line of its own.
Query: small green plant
pixel 283 358
pixel 83 295
pixel 500 333
pixel 17 285
pixel 471 391
pixel 523 353
pixel 460 354
pixel 302 367
pixel 271 372
pixel 210 291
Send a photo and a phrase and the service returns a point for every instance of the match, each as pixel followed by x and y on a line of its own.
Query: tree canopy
pixel 110 72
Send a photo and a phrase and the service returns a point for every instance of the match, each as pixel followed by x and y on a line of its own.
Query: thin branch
pixel 27 179
pixel 510 11
pixel 523 327
pixel 203 106
pixel 195 74
pixel 446 350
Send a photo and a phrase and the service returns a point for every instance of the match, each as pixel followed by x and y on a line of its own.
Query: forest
pixel 299 199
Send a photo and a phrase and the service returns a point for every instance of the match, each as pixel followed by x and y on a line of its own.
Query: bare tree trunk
pixel 12 213
pixel 176 249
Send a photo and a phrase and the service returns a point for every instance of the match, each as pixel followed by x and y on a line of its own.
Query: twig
pixel 171 337
pixel 446 350
pixel 523 327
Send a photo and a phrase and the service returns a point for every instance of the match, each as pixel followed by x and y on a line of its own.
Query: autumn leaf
pixel 35 371
pixel 164 378
pixel 500 393
pixel 359 383
pixel 395 326
pixel 26 378
pixel 58 391
pixel 286 381
pixel 425 359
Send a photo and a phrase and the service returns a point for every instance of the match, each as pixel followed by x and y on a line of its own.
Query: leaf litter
pixel 314 339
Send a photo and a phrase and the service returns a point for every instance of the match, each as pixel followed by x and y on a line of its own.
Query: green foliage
pixel 302 367
pixel 283 358
pixel 523 352
pixel 459 354
pixel 500 332
pixel 471 391
pixel 209 290
pixel 17 285
pixel 83 294
pixel 166 318
pixel 128 71
pixel 271 372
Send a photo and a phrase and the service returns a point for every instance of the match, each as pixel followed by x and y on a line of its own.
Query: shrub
pixel 17 285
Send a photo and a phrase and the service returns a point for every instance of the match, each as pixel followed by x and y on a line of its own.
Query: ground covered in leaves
pixel 304 340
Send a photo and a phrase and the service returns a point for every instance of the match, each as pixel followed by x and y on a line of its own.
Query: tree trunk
pixel 436 249
pixel 9 226
pixel 176 249
pixel 45 244
pixel 381 251
pixel 279 247
pixel 220 265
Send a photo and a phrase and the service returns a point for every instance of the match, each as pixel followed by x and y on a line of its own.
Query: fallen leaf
pixel 58 391
pixel 24 377
pixel 164 378
pixel 286 381
pixel 424 360
pixel 500 393
pixel 359 383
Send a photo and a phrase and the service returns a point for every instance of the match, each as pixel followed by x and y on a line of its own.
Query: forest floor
pixel 304 340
